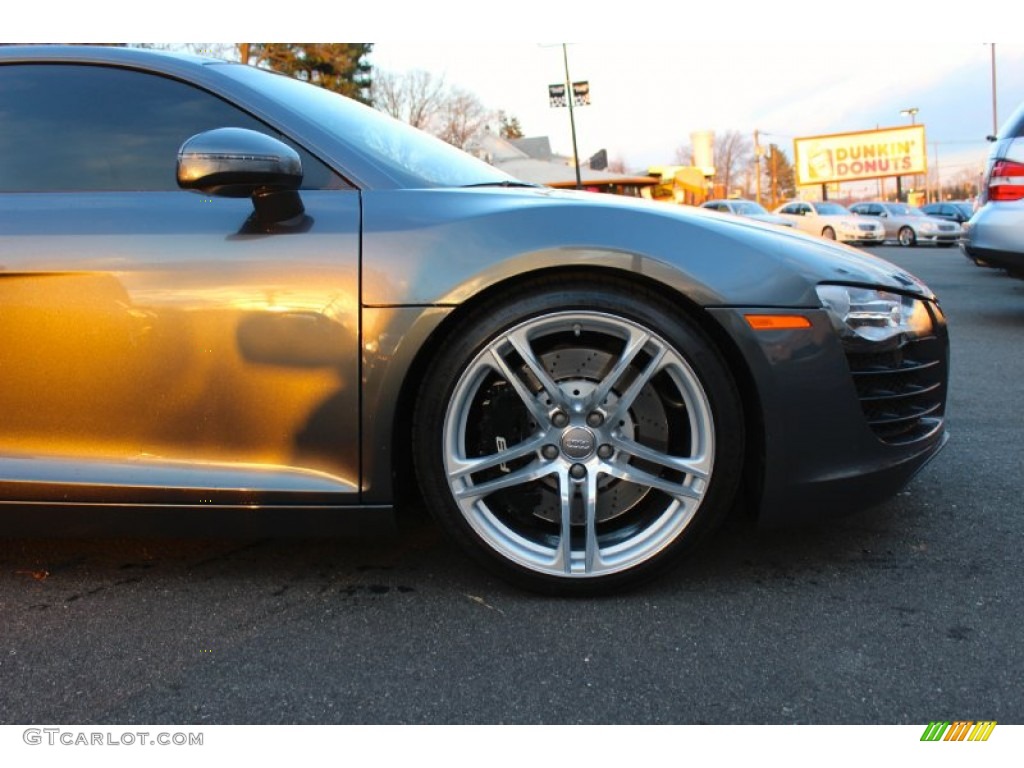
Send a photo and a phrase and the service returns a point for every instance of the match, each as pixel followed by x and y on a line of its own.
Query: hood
pixel 477 237
pixel 818 260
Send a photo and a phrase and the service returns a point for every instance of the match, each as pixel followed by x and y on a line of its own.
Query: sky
pixel 657 70
pixel 646 98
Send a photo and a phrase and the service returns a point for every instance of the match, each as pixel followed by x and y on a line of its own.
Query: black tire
pixel 907 237
pixel 659 442
pixel 828 233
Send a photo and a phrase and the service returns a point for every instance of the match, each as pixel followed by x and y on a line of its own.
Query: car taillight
pixel 1006 182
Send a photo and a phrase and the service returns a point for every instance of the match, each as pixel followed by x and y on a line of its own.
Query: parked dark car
pixel 994 236
pixel 953 210
pixel 224 290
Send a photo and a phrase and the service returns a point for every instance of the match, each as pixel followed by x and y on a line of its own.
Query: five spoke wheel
pixel 580 444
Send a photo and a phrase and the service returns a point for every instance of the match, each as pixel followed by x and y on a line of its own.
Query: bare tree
pixel 462 118
pixel 962 185
pixel 426 102
pixel 227 51
pixel 414 97
pixel 684 155
pixel 617 164
pixel 733 154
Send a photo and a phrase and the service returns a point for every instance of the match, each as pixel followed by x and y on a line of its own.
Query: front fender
pixel 441 247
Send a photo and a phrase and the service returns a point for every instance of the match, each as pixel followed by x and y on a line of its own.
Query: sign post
pixel 558 96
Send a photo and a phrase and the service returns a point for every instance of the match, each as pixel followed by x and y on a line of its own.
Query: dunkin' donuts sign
pixel 863 155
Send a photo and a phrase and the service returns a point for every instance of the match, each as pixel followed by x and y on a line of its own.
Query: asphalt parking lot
pixel 906 613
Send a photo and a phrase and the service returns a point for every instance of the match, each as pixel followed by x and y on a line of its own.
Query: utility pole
pixel 572 120
pixel 910 112
pixel 995 120
pixel 757 166
pixel 775 178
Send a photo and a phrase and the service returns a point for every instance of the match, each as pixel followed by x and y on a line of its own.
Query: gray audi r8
pixel 224 290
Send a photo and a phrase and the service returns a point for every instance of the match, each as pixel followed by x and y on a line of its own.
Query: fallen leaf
pixel 37 575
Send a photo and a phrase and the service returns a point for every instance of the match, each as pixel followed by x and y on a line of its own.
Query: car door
pixel 807 218
pixel 892 222
pixel 791 212
pixel 158 345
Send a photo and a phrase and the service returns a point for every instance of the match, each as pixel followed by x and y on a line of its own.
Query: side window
pixel 81 128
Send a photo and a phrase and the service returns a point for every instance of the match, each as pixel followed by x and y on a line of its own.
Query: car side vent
pixel 902 391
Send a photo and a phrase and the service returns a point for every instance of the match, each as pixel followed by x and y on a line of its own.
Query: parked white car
pixel 833 222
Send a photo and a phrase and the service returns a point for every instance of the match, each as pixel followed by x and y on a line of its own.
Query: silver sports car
pixel 227 292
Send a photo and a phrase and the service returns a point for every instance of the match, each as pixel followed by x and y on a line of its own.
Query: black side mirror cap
pixel 238 162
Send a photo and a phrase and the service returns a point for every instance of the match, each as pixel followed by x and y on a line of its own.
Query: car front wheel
pixel 907 237
pixel 828 233
pixel 576 440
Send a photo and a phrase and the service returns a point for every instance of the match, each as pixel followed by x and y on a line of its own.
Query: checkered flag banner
pixel 581 94
pixel 556 95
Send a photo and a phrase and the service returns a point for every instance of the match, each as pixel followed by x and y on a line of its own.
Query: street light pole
pixel 910 112
pixel 995 121
pixel 572 119
pixel 757 163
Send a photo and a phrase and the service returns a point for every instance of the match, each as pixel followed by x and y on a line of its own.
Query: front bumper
pixel 862 237
pixel 944 238
pixel 830 445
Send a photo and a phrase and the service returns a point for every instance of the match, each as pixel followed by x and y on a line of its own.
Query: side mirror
pixel 237 162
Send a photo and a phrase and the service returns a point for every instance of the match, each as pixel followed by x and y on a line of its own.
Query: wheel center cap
pixel 578 443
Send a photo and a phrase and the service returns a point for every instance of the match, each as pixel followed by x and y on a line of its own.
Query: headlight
pixel 928 227
pixel 862 313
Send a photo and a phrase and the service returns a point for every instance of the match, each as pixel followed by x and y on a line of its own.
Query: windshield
pixel 831 209
pixel 965 208
pixel 903 210
pixel 748 209
pixel 397 147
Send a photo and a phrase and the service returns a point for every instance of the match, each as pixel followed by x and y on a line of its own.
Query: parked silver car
pixel 748 209
pixel 909 225
pixel 995 234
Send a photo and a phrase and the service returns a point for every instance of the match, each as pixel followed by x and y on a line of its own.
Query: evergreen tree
pixel 509 127
pixel 339 67
pixel 780 174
